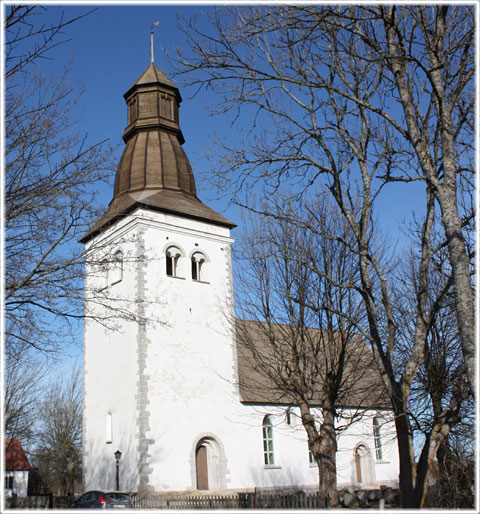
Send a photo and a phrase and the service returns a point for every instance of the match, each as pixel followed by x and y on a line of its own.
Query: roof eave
pixel 109 222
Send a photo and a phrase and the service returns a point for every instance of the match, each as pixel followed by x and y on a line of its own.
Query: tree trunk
pixel 326 458
pixel 323 445
pixel 445 192
pixel 405 453
pixel 462 285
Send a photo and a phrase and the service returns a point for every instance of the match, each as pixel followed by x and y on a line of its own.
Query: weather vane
pixel 154 24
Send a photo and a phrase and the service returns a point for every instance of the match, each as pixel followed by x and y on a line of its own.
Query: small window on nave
pixel 268 456
pixel 377 438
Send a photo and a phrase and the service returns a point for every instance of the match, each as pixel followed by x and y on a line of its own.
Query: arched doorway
pixel 364 473
pixel 209 464
pixel 201 466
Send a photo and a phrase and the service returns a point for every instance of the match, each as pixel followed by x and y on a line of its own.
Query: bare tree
pixel 22 391
pixel 58 450
pixel 409 70
pixel 438 390
pixel 28 41
pixel 454 472
pixel 299 286
pixel 427 55
pixel 52 175
pixel 325 86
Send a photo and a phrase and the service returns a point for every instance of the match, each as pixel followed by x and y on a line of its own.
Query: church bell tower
pixel 158 345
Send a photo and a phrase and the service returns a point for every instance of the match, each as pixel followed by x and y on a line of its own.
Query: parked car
pixel 103 500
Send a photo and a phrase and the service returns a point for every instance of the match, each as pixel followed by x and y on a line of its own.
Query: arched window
pixel 268 442
pixel 198 266
pixel 116 274
pixel 377 438
pixel 173 255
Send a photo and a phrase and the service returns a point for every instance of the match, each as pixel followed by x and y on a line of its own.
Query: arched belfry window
pixel 173 256
pixel 377 438
pixel 268 456
pixel 198 266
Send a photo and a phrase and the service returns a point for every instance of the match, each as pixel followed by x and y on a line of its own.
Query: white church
pixel 163 383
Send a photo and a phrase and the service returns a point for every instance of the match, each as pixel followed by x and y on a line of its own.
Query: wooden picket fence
pixel 187 502
pixel 298 500
pixel 44 501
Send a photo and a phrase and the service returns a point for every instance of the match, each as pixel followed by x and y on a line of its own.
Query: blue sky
pixel 110 49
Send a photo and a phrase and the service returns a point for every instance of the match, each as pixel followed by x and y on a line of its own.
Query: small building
pixel 17 469
pixel 166 381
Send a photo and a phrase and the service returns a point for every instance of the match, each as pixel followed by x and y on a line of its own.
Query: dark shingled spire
pixel 154 171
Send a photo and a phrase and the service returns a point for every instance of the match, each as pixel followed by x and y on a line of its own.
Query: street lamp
pixel 117 455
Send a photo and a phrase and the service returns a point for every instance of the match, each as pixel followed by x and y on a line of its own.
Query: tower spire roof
pixel 154 171
pixel 151 75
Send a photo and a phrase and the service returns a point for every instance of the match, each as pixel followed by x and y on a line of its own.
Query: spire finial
pixel 154 24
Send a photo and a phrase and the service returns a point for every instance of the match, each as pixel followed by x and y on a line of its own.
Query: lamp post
pixel 117 455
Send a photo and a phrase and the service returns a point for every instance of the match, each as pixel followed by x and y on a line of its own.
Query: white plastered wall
pixel 110 361
pixel 170 384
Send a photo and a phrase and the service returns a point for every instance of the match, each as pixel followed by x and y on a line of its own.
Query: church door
pixel 358 465
pixel 202 468
pixel 363 465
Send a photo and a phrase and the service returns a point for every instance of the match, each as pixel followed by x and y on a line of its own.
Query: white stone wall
pixel 241 436
pixel 110 362
pixel 190 350
pixel 170 383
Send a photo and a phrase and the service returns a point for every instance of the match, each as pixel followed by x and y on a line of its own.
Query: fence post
pixel 246 500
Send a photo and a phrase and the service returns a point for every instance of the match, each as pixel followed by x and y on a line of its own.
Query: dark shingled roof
pixel 15 458
pixel 150 76
pixel 154 171
pixel 362 386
